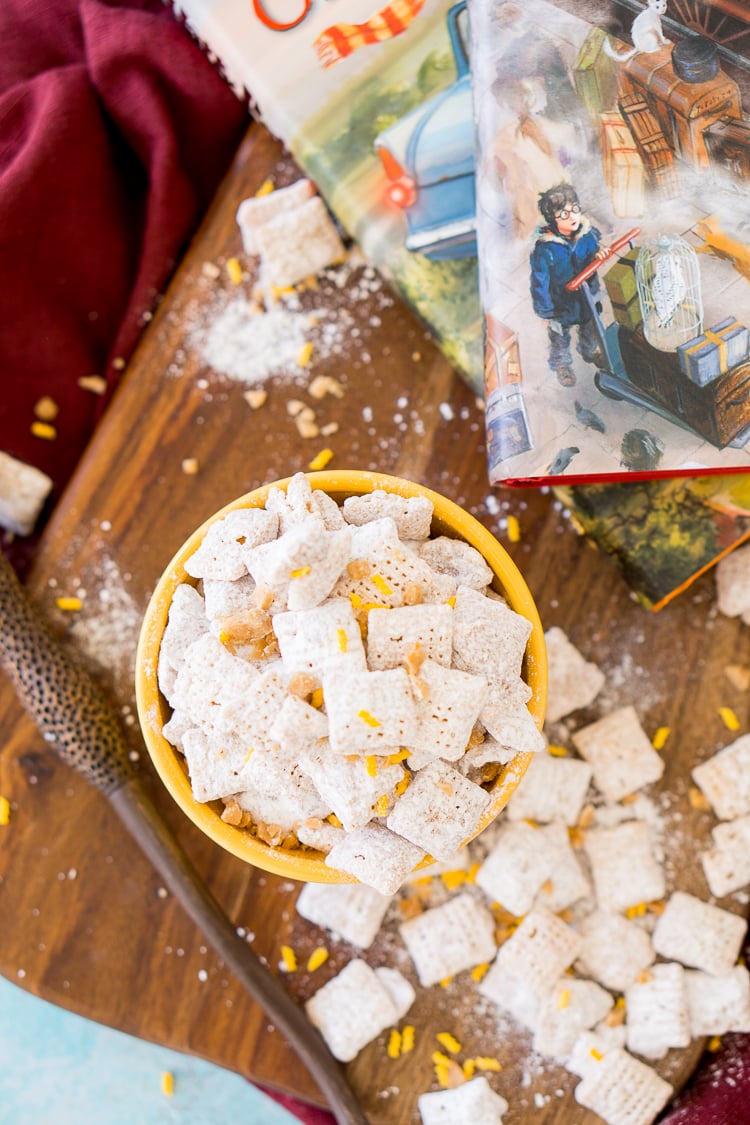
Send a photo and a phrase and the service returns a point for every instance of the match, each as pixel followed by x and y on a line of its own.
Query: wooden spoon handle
pixel 77 722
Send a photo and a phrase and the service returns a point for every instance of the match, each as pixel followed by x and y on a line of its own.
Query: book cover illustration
pixel 662 534
pixel 614 245
pixel 373 100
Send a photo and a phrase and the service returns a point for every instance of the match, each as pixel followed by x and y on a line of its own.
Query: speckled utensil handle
pixel 76 721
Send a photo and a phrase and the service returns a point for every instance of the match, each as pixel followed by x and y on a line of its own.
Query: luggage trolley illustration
pixel 634 371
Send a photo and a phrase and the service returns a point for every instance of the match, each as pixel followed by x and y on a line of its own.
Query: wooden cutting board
pixel 86 923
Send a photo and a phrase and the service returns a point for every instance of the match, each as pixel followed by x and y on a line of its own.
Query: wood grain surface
pixel 85 922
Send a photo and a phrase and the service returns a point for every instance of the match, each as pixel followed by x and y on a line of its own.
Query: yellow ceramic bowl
pixel 153 710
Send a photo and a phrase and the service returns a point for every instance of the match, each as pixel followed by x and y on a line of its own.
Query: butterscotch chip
pixel 96 384
pixel 302 685
pixel 255 399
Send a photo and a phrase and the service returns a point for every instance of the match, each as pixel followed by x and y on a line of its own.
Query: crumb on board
pixel 94 384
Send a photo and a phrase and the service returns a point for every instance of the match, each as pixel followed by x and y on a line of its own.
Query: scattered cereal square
pixel 398 987
pixel 574 682
pixel 540 950
pixel 718 1004
pixel 567 883
pixel 620 753
pixel 573 1006
pixel 725 779
pixel 624 868
pixel 351 1010
pixel 551 789
pixel 614 950
pixel 518 865
pixel 298 243
pixel 351 911
pixel 448 939
pixel 512 994
pixel 727 863
pixel 623 1090
pixel 699 934
pixel 657 1011
pixel 733 583
pixel 23 491
pixel 475 1101
pixel 259 209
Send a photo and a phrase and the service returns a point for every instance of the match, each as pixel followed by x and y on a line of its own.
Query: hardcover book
pixel 614 244
pixel 373 100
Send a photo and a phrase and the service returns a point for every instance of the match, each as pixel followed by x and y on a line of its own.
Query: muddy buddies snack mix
pixel 343 681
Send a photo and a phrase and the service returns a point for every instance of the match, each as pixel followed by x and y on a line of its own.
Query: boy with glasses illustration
pixel 565 243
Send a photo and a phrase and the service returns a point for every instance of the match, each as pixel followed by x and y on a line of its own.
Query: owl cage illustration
pixel 669 292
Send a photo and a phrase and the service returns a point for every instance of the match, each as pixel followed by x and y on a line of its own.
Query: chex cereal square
pixel 448 705
pixel 278 793
pixel 349 784
pixel 222 552
pixel 304 563
pixel 259 209
pixel 412 515
pixel 474 1101
pixel 727 864
pixel 226 598
pixel 623 1090
pixel 718 1004
pixel 297 243
pixel 614 950
pixel 462 561
pixel 512 726
pixel 733 583
pixel 574 682
pixel 186 623
pixel 312 640
pixel 620 753
pixel 375 856
pixel 448 939
pixel 383 572
pixel 567 883
pixel 297 724
pixel 413 631
pixel 572 1006
pixel 725 779
pixel 372 711
pixel 540 950
pixel 551 789
pixel 623 865
pixel 351 911
pixel 400 990
pixel 591 1046
pixel 351 1010
pixel 216 766
pixel 439 810
pixel 489 638
pixel 517 866
pixel 657 1011
pixel 319 834
pixel 512 994
pixel 698 934
pixel 210 680
pixel 483 753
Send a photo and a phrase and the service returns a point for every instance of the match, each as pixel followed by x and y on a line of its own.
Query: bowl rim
pixel 299 864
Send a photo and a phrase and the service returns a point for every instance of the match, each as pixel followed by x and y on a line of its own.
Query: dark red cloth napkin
pixel 115 131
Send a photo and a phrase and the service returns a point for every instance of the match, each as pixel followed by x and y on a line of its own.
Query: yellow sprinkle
pixel 305 354
pixel 441 1074
pixel 514 529
pixel 714 1043
pixel 479 971
pixel 167 1084
pixel 620 1002
pixel 320 460
pixel 372 764
pixel 380 808
pixel 636 911
pixel 300 572
pixel 367 606
pixel 596 1054
pixel 453 879
pixel 660 738
pixel 563 998
pixel 445 1039
pixel 729 719
pixel 265 188
pixel 316 699
pixel 342 640
pixel 403 784
pixel 317 958
pixel 557 751
pixel 366 717
pixel 4 811
pixel 440 1059
pixel 289 959
pixel 471 874
pixel 468 1068
pixel 43 430
pixel 249 755
pixel 446 981
pixel 486 1062
pixel 69 605
pixel 234 270
pixel 407 1039
pixel 380 582
pixel 394 1043
pixel 451 602
pixel 334 820
pixel 355 600
pixel 395 759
